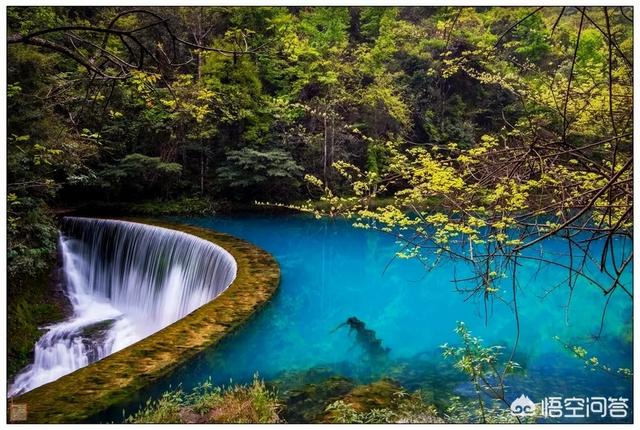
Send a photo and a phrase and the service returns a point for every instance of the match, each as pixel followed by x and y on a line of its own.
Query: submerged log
pixel 366 338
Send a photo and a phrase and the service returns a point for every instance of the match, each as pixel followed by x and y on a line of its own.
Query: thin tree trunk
pixel 333 135
pixel 324 157
pixel 202 169
pixel 199 40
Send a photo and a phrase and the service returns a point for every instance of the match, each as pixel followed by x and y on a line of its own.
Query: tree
pixel 561 171
pixel 259 173
pixel 137 173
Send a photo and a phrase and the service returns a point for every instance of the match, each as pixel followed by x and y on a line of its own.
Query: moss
pixel 382 401
pixel 98 328
pixel 80 395
pixel 308 403
pixel 30 305
pixel 377 395
pixel 363 398
pixel 316 396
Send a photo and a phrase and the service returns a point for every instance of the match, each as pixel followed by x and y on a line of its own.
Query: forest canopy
pixel 469 122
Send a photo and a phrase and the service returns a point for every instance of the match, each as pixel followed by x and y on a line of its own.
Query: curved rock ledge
pixel 87 391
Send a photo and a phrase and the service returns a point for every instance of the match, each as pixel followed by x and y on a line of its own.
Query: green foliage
pixel 485 371
pixel 31 241
pixel 370 18
pixel 592 362
pixel 163 411
pixel 30 305
pixel 407 408
pixel 328 84
pixel 261 171
pixel 325 28
pixel 148 168
pixel 28 19
pixel 463 411
pixel 532 38
pixel 473 358
pixel 32 237
pixel 179 206
pixel 137 173
pixel 206 403
pixel 346 414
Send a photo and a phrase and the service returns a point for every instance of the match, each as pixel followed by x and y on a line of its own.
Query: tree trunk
pixel 324 158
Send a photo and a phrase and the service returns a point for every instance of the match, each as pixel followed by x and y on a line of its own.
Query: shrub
pixel 206 403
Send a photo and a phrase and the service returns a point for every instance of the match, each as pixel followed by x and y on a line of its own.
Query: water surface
pixel 332 271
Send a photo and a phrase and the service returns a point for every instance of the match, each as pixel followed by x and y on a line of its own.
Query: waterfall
pixel 125 281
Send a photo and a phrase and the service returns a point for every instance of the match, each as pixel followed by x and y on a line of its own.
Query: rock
pixel 377 395
pixel 308 403
pixel 387 394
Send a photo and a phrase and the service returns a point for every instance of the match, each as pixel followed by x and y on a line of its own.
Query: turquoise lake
pixel 332 271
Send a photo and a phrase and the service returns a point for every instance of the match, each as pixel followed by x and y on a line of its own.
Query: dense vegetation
pixel 379 402
pixel 206 403
pixel 241 103
pixel 486 130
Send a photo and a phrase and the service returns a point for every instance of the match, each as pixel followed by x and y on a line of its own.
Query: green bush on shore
pixel 206 403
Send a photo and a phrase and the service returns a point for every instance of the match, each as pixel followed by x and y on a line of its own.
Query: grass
pixel 381 402
pixel 378 403
pixel 410 410
pixel 208 404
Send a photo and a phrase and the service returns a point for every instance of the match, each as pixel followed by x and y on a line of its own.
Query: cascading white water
pixel 125 281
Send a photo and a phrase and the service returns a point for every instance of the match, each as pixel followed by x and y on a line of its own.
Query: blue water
pixel 332 271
